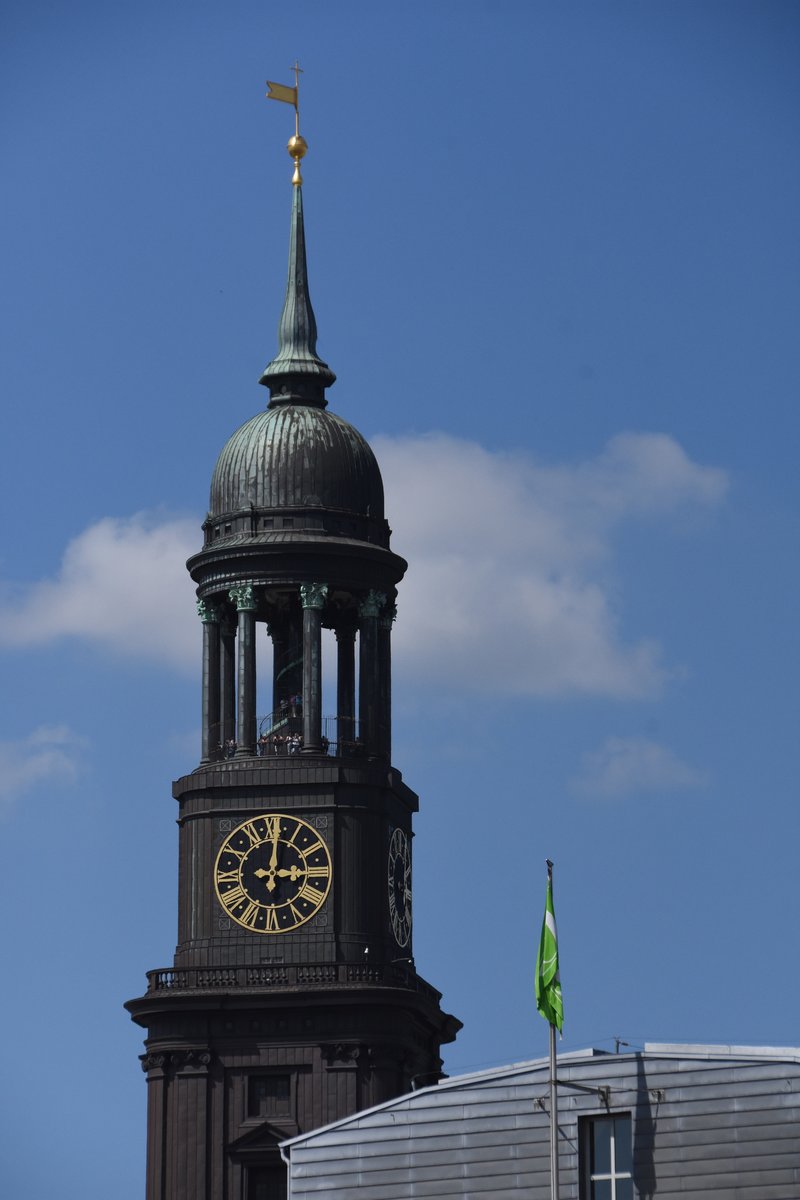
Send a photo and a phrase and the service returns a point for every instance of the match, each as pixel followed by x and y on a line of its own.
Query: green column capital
pixel 243 597
pixel 209 612
pixel 312 595
pixel 388 616
pixel 372 603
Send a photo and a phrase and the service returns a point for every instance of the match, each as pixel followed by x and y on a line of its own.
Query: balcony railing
pixel 279 976
pixel 281 733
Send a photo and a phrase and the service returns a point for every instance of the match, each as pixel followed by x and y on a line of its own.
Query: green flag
pixel 548 986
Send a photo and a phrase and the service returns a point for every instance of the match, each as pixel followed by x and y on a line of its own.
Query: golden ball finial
pixel 297 147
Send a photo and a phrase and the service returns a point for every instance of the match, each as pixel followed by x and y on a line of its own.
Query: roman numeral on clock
pixel 273 825
pixel 252 833
pixel 233 897
pixel 250 915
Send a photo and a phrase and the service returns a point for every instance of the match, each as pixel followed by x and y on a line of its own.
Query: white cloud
pixel 122 583
pixel 50 752
pixel 645 473
pixel 635 766
pixel 509 591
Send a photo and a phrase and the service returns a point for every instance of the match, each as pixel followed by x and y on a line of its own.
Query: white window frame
pixel 612 1176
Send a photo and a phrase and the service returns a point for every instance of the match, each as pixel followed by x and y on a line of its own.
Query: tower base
pixel 234 1068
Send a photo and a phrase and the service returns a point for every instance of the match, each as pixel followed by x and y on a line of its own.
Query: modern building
pixel 293 998
pixel 668 1121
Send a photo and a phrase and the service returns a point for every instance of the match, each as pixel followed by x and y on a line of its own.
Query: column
pixel 368 670
pixel 227 678
pixel 277 633
pixel 312 597
pixel 155 1065
pixel 210 726
pixel 287 668
pixel 345 688
pixel 187 1148
pixel 385 621
pixel 245 602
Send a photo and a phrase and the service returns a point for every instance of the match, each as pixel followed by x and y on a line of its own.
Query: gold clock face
pixel 399 882
pixel 272 873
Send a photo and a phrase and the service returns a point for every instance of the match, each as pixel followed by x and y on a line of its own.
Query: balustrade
pixel 282 975
pixel 280 733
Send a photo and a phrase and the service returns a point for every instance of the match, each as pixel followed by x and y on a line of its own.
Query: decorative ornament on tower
pixel 293 999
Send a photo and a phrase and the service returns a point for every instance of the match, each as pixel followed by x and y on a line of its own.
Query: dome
pixel 297 456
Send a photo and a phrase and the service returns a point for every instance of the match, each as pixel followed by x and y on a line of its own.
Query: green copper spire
pixel 297 375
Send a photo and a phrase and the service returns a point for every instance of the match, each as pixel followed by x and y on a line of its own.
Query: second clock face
pixel 272 873
pixel 400 887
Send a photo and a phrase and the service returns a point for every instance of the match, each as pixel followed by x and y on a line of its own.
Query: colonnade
pixel 229 667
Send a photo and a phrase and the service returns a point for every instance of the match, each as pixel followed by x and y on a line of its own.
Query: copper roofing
pixel 296 455
pixel 297 372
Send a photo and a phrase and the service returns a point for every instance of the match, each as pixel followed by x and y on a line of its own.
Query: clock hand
pixel 268 875
pixel 294 874
pixel 273 860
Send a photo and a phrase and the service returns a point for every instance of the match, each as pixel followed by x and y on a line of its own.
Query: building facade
pixel 293 998
pixel 665 1122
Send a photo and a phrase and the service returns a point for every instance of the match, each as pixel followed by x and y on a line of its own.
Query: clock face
pixel 399 882
pixel 272 873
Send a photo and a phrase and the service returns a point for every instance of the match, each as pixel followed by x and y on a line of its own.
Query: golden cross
pixel 298 71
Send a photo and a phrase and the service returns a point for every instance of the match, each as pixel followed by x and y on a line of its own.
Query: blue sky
pixel 554 262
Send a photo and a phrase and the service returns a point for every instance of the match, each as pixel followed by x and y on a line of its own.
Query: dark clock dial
pixel 399 881
pixel 272 873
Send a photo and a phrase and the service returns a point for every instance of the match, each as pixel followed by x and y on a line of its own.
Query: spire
pixel 297 374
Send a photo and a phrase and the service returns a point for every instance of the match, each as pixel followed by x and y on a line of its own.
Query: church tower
pixel 293 999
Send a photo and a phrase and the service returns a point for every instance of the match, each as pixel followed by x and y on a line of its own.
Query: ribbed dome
pixel 297 456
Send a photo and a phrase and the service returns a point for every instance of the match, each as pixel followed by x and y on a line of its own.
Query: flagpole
pixel 554 1189
pixel 553 1118
pixel 550 1005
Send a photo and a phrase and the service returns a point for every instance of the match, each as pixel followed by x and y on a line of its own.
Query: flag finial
pixel 297 145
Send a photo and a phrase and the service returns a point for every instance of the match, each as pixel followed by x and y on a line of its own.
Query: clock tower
pixel 293 999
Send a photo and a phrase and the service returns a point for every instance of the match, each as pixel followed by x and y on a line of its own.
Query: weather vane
pixel 289 95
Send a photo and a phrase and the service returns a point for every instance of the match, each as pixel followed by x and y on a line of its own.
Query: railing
pixel 281 733
pixel 279 975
